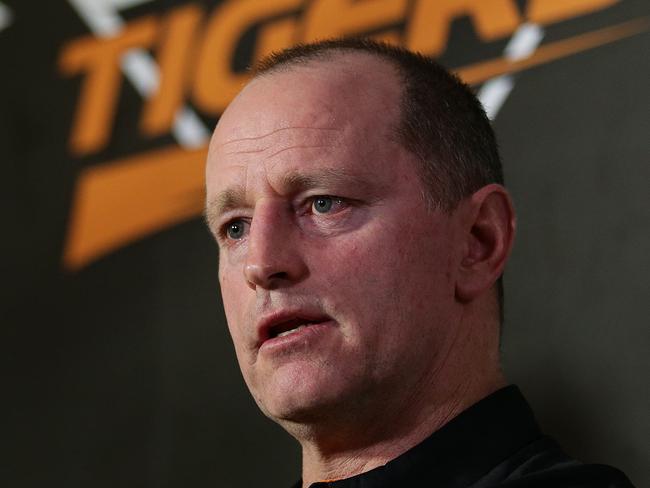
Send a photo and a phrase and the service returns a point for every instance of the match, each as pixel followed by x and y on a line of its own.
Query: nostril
pixel 276 280
pixel 282 275
pixel 274 270
pixel 265 276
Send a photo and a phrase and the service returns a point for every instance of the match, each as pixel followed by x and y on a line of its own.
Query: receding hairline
pixel 274 64
pixel 346 61
pixel 392 84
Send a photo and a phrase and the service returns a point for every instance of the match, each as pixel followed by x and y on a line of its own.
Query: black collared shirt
pixel 494 443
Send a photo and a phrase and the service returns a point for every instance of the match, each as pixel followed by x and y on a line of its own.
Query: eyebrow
pixel 296 182
pixel 224 201
pixel 290 183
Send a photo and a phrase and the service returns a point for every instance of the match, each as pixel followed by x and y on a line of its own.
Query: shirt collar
pixel 461 451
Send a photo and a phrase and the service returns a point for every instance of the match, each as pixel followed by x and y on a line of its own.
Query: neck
pixel 377 435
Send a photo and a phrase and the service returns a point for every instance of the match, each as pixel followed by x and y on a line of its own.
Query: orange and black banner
pixel 119 368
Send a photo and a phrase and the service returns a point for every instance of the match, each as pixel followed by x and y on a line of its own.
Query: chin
pixel 294 409
pixel 296 400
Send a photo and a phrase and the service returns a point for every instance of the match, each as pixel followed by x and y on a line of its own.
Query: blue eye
pixel 322 204
pixel 235 229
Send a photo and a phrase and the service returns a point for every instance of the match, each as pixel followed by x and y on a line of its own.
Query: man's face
pixel 337 282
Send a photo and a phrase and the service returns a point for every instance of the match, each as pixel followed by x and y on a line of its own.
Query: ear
pixel 488 235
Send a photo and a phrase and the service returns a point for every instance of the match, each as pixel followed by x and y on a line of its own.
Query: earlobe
pixel 488 236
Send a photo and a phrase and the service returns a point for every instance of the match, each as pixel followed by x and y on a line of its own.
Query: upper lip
pixel 272 320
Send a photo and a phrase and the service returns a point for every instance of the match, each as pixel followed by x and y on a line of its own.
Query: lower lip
pixel 301 337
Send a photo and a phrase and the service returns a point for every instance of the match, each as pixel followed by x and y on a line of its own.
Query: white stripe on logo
pixel 140 68
pixel 523 43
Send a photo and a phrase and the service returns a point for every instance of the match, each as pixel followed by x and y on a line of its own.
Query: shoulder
pixel 574 476
pixel 544 464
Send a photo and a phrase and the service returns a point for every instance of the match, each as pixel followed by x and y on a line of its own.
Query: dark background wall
pixel 117 366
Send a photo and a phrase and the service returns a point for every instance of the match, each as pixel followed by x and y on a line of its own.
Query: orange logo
pixel 181 62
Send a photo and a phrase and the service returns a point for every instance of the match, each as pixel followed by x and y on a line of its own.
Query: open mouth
pixel 289 327
pixel 284 323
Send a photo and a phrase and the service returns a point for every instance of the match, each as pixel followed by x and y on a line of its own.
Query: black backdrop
pixel 117 366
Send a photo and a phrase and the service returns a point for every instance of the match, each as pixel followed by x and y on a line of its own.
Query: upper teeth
pixel 287 332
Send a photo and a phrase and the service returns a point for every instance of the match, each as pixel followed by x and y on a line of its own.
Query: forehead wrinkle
pixel 301 138
pixel 305 146
pixel 279 151
pixel 251 151
pixel 268 134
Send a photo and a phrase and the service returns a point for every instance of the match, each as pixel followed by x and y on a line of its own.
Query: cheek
pixel 233 298
pixel 382 271
pixel 231 281
pixel 239 323
pixel 360 273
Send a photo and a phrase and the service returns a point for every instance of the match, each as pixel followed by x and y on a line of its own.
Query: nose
pixel 273 258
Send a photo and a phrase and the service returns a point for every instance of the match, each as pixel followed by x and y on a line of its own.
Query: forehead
pixel 329 116
pixel 347 88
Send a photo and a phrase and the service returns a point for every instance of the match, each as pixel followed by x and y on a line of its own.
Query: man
pixel 355 191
